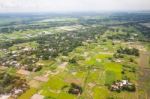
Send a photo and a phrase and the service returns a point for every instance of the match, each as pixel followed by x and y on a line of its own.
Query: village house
pixel 122 85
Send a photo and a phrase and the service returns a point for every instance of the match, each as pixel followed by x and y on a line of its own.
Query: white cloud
pixel 72 5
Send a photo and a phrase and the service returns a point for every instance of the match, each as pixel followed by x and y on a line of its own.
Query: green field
pixel 87 54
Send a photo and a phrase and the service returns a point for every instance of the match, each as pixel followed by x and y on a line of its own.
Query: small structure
pixel 37 96
pixel 5 96
pixel 15 92
pixel 122 85
pixel 118 60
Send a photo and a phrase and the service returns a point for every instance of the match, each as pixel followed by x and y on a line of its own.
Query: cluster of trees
pixel 33 67
pixel 29 64
pixel 125 34
pixel 75 89
pixel 128 51
pixel 116 19
pixel 132 17
pixel 52 45
pixel 145 31
pixel 19 58
pixel 8 82
pixel 120 37
pixel 9 43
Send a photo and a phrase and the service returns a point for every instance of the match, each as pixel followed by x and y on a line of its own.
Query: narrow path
pixel 144 59
pixel 144 76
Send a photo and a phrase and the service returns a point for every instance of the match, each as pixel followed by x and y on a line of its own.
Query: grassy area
pixel 28 94
pixel 93 68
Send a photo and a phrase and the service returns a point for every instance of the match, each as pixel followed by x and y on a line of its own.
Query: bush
pixel 75 89
pixel 38 68
pixel 128 51
pixel 8 82
pixel 130 88
pixel 73 61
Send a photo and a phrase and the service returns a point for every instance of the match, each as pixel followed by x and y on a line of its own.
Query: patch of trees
pixel 7 44
pixel 119 37
pixel 118 55
pixel 145 31
pixel 52 45
pixel 22 56
pixel 8 82
pixel 30 64
pixel 132 17
pixel 75 89
pixel 73 61
pixel 128 51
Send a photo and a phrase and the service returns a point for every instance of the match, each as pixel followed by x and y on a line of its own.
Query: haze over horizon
pixel 8 6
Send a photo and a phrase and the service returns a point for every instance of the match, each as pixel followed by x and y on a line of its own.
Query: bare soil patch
pixel 41 78
pixel 23 72
pixel 34 84
pixel 37 96
pixel 73 80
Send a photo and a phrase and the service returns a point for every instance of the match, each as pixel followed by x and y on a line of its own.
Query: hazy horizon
pixel 65 6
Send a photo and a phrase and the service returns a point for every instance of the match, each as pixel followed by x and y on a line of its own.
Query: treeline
pixel 7 44
pixel 145 31
pixel 125 37
pixel 130 17
pixel 125 34
pixel 13 28
pixel 128 51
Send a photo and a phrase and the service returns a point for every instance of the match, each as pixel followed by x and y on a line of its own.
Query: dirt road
pixel 144 76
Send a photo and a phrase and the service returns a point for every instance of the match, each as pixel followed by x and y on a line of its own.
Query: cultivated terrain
pixel 75 56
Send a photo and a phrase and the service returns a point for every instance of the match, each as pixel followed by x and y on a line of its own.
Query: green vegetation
pixel 128 51
pixel 74 57
pixel 28 94
pixel 9 82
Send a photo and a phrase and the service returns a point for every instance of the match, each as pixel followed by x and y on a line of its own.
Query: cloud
pixel 72 5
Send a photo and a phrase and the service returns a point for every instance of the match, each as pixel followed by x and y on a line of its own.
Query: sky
pixel 72 5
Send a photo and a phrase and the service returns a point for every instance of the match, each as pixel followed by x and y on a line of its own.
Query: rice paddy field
pixel 93 70
pixel 90 53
